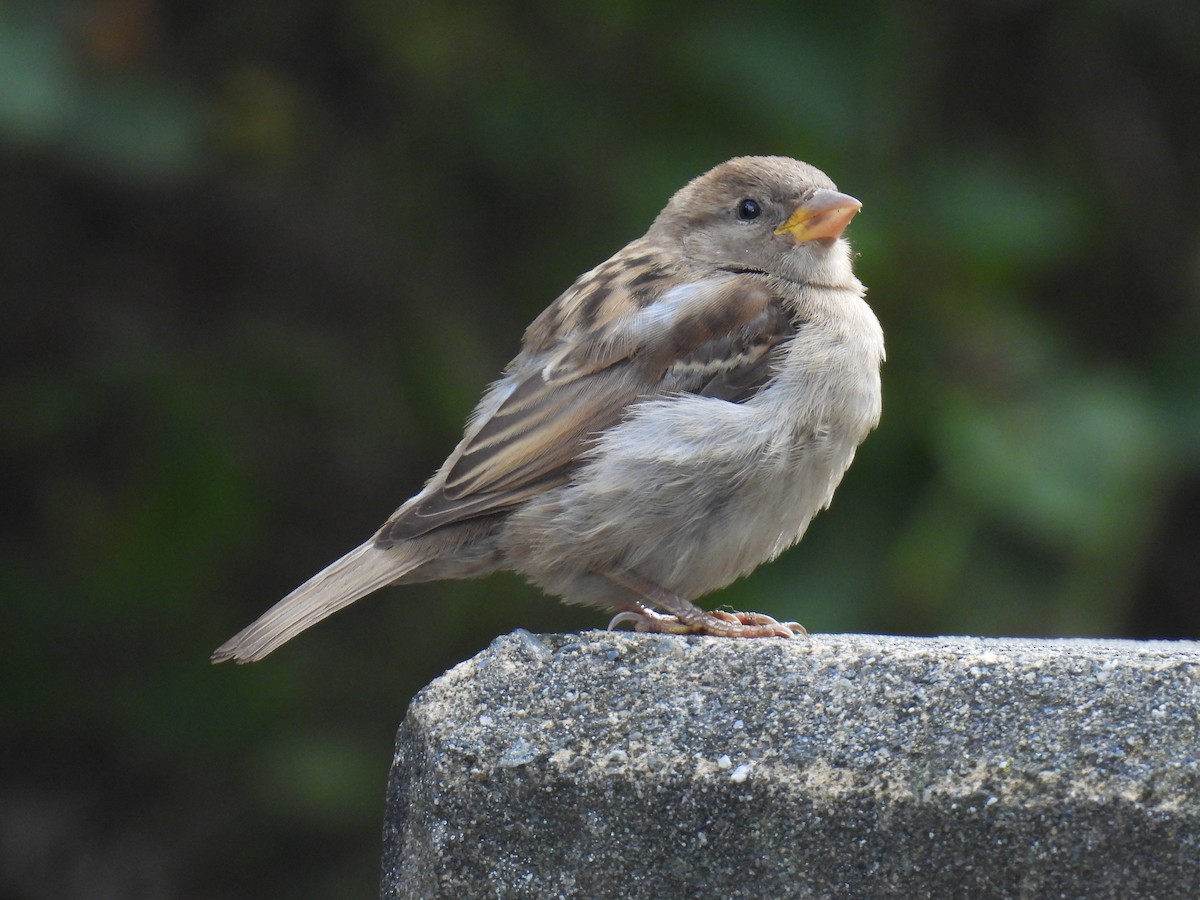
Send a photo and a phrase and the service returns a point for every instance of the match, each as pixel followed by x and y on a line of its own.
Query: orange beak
pixel 823 215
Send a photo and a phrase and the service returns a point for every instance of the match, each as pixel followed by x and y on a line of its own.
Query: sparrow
pixel 674 419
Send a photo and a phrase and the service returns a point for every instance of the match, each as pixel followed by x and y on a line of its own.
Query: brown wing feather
pixel 735 366
pixel 718 343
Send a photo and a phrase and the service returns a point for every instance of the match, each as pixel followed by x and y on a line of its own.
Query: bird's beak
pixel 823 215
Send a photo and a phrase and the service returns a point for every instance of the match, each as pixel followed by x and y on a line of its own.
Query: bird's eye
pixel 748 209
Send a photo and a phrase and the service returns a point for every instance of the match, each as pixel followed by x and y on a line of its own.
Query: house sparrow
pixel 674 419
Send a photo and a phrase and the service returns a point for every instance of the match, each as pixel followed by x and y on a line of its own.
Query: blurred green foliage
pixel 261 258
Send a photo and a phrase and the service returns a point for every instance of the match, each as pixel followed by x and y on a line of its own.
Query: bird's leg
pixel 684 617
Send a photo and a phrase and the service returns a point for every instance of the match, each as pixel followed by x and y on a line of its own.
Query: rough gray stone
pixel 623 765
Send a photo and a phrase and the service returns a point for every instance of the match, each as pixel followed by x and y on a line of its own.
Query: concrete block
pixel 629 766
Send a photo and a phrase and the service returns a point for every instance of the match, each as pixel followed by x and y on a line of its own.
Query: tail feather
pixel 361 571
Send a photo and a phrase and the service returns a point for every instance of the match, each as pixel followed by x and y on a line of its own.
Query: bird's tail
pixel 358 573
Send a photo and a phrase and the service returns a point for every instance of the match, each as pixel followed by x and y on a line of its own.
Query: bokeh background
pixel 259 258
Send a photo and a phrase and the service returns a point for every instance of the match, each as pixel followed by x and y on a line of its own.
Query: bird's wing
pixel 712 337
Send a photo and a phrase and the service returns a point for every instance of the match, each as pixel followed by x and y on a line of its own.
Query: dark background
pixel 259 260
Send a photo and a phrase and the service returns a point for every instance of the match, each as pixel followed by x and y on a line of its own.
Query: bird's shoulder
pixel 627 282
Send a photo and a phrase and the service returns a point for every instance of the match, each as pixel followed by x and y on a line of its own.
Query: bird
pixel 674 419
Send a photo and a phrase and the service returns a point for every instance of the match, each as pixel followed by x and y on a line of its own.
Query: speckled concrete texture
pixel 629 766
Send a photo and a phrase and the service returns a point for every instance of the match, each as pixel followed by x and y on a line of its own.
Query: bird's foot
pixel 752 624
pixel 718 623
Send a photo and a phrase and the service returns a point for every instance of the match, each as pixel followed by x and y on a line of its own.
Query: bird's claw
pixel 718 623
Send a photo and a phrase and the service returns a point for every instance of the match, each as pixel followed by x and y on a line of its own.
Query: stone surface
pixel 623 765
